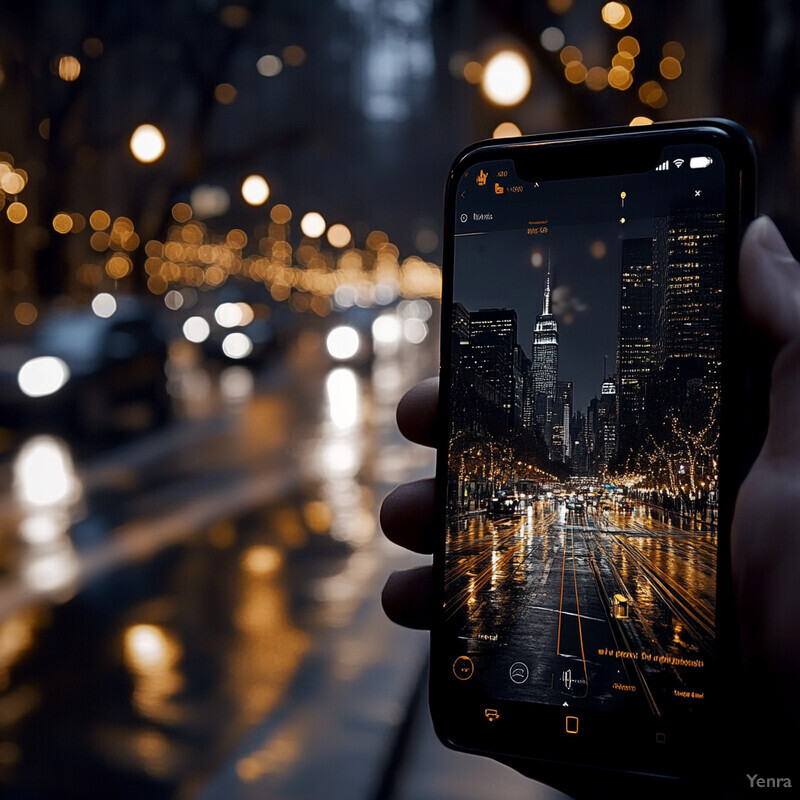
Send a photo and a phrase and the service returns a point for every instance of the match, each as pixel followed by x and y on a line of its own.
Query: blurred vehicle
pixel 506 504
pixel 85 375
pixel 248 344
pixel 244 325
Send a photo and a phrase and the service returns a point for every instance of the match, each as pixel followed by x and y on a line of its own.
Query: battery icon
pixel 700 162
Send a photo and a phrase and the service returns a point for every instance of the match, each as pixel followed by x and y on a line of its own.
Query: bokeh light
pixel 339 235
pixel 69 68
pixel 552 39
pixel 181 212
pixel 42 376
pixel 506 129
pixel 225 93
pixel 575 72
pixel 237 345
pixel 209 201
pixel 617 15
pixel 629 44
pixel 673 50
pixel 228 315
pixel 280 214
pixel 147 143
pixel 620 78
pixel 313 225
pixel 255 190
pixel 473 72
pixel 99 220
pixel 597 79
pixel 62 223
pixel 293 55
pixel 269 66
pixel 12 182
pixel 343 342
pixel 26 313
pixel 670 68
pixel 104 305
pixel 17 212
pixel 506 78
pixel 196 329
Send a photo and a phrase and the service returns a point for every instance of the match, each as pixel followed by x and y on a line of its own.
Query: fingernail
pixel 770 239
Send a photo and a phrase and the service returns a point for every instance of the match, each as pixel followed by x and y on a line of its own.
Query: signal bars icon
pixel 664 165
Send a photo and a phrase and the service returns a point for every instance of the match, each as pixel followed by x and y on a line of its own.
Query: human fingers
pixel 769 283
pixel 407 515
pixel 416 412
pixel 765 561
pixel 407 597
pixel 765 547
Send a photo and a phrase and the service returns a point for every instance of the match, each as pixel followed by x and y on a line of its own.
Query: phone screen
pixel 583 454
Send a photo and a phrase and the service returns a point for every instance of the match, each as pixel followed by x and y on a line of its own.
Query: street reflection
pixel 44 475
pixel 633 584
pixel 46 490
pixel 152 654
pixel 268 646
pixel 342 390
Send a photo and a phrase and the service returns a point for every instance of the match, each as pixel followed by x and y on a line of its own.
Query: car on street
pixel 84 375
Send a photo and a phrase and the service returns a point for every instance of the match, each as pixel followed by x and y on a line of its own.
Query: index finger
pixel 416 412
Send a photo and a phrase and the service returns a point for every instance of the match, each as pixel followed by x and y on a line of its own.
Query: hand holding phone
pixel 585 479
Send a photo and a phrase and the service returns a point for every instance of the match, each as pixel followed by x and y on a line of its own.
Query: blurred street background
pixel 220 258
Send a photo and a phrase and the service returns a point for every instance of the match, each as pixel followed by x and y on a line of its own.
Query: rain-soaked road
pixel 160 600
pixel 586 604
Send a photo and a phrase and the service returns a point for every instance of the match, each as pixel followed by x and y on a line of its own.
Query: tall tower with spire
pixel 544 361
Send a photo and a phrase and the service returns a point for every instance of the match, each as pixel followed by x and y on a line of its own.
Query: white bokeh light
pixel 313 225
pixel 506 78
pixel 147 144
pixel 42 376
pixel 387 329
pixel 255 190
pixel 44 474
pixel 237 345
pixel 104 305
pixel 196 329
pixel 343 342
pixel 341 387
pixel 228 315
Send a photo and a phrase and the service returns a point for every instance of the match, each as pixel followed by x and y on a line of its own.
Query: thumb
pixel 769 280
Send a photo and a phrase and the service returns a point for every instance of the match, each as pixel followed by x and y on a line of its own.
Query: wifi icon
pixel 678 162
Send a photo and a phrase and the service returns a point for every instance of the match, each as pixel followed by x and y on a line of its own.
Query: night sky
pixel 495 264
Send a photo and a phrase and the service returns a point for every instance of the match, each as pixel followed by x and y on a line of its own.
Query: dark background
pixel 189 587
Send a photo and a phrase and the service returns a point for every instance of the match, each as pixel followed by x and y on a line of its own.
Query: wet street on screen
pixel 585 603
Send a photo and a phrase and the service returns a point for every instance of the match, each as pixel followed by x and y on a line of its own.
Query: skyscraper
pixel 687 297
pixel 634 342
pixel 687 311
pixel 544 359
pixel 561 449
pixel 492 345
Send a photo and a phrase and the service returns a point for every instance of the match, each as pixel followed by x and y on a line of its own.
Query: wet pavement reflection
pixel 588 592
pixel 159 601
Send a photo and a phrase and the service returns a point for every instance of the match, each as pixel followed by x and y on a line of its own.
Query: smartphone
pixel 591 427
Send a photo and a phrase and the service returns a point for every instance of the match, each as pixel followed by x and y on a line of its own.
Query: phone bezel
pixel 588 154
